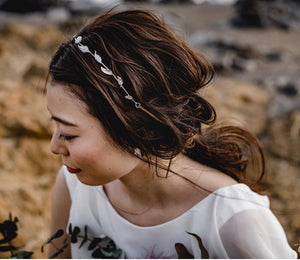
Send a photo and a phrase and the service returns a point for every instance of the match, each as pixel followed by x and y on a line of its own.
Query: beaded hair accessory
pixel 107 71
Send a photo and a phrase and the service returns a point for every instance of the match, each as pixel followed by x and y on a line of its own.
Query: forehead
pixel 61 92
pixel 66 106
pixel 61 101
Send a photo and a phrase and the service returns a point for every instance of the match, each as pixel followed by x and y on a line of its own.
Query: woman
pixel 140 171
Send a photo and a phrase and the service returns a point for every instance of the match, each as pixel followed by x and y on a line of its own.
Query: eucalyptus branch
pixel 10 248
pixel 52 243
pixel 8 229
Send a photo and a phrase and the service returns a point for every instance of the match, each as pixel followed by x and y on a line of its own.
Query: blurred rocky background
pixel 253 45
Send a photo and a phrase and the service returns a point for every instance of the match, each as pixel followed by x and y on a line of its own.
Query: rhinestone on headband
pixel 107 71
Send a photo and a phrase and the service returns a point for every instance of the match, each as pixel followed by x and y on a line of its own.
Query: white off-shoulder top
pixel 232 222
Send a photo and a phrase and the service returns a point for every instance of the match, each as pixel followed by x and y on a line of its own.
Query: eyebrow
pixel 57 119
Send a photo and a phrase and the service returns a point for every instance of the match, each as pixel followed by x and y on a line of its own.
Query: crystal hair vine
pixel 107 71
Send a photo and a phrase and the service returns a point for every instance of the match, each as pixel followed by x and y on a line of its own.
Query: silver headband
pixel 107 71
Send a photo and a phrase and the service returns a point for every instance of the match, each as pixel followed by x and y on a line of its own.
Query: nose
pixel 57 146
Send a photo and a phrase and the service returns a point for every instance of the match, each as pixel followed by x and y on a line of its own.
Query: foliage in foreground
pixel 9 229
pixel 100 247
pixel 103 247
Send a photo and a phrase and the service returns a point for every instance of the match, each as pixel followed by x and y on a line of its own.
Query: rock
pixel 25 6
pixel 230 63
pixel 238 100
pixel 243 65
pixel 19 44
pixel 30 202
pixel 27 168
pixel 35 75
pixel 226 55
pixel 23 113
pixel 199 39
pixel 289 89
pixel 282 105
pixel 222 44
pixel 285 91
pixel 242 51
pixel 58 15
pixel 274 56
pixel 25 189
pixel 7 147
pixel 47 39
pixel 35 69
pixel 285 194
pixel 44 38
pixel 33 156
pixel 284 14
pixel 284 136
pixel 14 58
pixel 92 7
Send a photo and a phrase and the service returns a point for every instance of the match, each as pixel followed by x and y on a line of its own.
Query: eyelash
pixel 66 137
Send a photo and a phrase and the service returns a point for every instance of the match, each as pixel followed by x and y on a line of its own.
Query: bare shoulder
pixel 209 178
pixel 214 179
pixel 205 180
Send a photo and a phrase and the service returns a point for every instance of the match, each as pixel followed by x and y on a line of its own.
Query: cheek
pixel 99 156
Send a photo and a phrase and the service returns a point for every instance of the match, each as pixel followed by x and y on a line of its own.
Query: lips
pixel 71 170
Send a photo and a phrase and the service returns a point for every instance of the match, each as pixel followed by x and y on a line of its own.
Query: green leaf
pixel 70 229
pixel 56 254
pixel 112 254
pixel 4 241
pixel 204 253
pixel 108 244
pixel 22 255
pixel 94 243
pixel 75 234
pixel 9 230
pixel 85 238
pixel 66 238
pixel 8 248
pixel 106 254
pixel 97 253
pixel 57 234
pixel 116 253
pixel 60 251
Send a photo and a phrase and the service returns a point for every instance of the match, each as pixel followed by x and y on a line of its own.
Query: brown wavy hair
pixel 165 75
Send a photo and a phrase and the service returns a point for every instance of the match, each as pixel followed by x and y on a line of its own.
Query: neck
pixel 145 185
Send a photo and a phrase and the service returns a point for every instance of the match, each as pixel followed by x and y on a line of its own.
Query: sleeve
pixel 255 233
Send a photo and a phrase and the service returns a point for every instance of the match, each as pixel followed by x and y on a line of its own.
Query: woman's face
pixel 81 141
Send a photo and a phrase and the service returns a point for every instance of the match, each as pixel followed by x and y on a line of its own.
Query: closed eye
pixel 66 137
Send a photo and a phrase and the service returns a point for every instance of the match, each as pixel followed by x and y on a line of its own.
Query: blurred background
pixel 253 45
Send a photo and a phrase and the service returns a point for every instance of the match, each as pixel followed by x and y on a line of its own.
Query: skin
pixel 75 136
pixel 130 184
